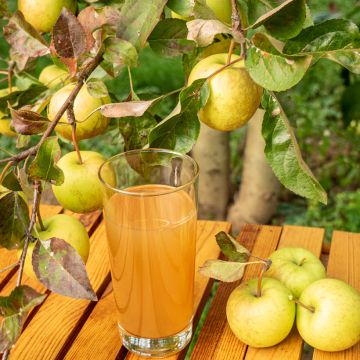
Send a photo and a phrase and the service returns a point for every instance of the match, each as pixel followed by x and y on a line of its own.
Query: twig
pixel 237 30
pixel 9 267
pixel 10 74
pixel 82 77
pixel 72 121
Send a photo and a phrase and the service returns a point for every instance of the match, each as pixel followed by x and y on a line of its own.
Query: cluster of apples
pixel 327 311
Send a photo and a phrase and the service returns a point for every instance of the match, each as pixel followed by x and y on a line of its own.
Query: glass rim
pixel 150 150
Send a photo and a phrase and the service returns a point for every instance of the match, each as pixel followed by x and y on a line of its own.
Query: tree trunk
pixel 213 155
pixel 259 189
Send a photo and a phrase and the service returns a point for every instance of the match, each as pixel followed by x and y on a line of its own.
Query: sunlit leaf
pixel 44 165
pixel 271 69
pixel 61 269
pixel 14 220
pixel 226 271
pixel 203 32
pixel 14 310
pixel 283 153
pixel 231 248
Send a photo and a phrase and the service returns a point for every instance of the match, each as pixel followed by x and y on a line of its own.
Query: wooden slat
pixel 216 341
pixel 53 325
pixel 291 347
pixel 99 338
pixel 8 257
pixel 344 265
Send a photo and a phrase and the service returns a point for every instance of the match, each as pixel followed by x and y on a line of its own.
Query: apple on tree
pixel 296 268
pixel 42 14
pixel 63 227
pixel 5 128
pixel 52 76
pixel 86 126
pixel 234 96
pixel 261 321
pixel 330 319
pixel 82 190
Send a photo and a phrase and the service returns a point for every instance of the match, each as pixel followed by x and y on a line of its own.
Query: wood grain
pixel 291 347
pixel 8 257
pixel 59 316
pixel 344 265
pixel 216 341
pixel 99 338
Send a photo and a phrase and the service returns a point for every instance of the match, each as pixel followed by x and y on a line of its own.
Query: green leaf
pixel 14 220
pixel 231 248
pixel 349 59
pixel 181 128
pixel 226 271
pixel 138 19
pixel 61 269
pixel 334 34
pixel 271 69
pixel 135 130
pixel 203 32
pixel 14 310
pixel 119 53
pixel 169 38
pixel 44 165
pixel 283 153
pixel 181 7
pixel 11 182
pixel 284 21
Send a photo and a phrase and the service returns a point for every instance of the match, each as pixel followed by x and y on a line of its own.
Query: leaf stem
pixel 82 77
pixel 10 74
pixel 131 84
pixel 38 214
pixel 9 267
pixel 231 49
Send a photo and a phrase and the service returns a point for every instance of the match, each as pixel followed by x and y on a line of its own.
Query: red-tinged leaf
pixel 70 63
pixel 28 122
pixel 92 19
pixel 61 269
pixel 23 38
pixel 14 220
pixel 69 36
pixel 14 310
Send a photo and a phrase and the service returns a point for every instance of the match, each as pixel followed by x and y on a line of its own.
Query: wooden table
pixel 65 328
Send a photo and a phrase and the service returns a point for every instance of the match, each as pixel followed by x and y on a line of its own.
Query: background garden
pixel 324 109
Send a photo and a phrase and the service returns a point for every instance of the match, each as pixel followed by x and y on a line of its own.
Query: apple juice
pixel 151 241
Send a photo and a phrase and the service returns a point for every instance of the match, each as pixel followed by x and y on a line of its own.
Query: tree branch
pixel 237 30
pixel 82 76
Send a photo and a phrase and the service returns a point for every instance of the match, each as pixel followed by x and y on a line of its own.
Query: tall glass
pixel 150 216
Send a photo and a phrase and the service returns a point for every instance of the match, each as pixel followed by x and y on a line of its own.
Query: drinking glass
pixel 150 217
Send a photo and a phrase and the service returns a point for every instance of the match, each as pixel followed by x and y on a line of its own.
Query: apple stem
pixel 302 261
pixel 258 293
pixel 308 307
pixel 224 67
pixel 231 49
pixel 72 121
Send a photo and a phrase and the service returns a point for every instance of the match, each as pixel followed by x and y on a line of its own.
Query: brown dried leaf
pixel 203 32
pixel 28 122
pixel 129 108
pixel 69 36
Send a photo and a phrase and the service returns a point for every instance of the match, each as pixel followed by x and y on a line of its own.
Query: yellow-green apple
pixel 42 14
pixel 332 322
pixel 63 227
pixel 82 191
pixel 261 321
pixel 52 76
pixel 221 9
pixel 84 104
pixel 5 128
pixel 234 96
pixel 296 268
